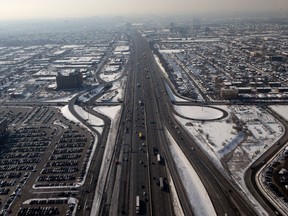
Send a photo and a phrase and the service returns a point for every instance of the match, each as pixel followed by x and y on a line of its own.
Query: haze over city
pixel 34 9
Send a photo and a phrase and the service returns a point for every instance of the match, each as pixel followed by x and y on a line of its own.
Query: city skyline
pixel 33 9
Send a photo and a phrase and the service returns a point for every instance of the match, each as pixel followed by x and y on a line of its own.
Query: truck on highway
pixel 140 103
pixel 161 183
pixel 137 205
pixel 159 158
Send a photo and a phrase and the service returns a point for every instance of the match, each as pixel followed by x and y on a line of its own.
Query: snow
pixel 199 112
pixel 112 76
pixel 110 111
pixel 198 196
pixel 63 99
pixel 96 122
pixel 236 141
pixel 107 154
pixel 122 49
pixel 175 199
pixel 281 110
pixel 67 114
pixel 58 122
pixel 116 93
pixel 160 65
pixel 171 51
pixel 86 97
pixel 172 96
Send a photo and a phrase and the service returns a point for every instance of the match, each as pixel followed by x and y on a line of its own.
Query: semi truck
pixel 159 158
pixel 137 205
pixel 161 183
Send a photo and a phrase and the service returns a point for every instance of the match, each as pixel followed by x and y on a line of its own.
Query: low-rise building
pixel 227 94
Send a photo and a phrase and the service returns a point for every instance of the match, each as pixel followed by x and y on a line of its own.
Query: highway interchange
pixel 135 169
pixel 152 118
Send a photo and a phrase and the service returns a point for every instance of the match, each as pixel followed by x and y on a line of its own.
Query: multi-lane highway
pixel 147 113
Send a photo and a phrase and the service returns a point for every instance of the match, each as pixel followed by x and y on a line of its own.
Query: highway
pixel 225 198
pixel 148 110
pixel 140 171
pixel 250 175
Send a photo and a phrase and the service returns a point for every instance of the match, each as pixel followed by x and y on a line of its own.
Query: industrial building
pixel 70 81
pixel 226 94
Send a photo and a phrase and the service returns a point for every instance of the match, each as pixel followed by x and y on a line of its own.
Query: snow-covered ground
pixel 160 65
pixel 92 93
pixel 281 110
pixel 199 112
pixel 172 96
pixel 63 99
pixel 96 122
pixel 171 51
pixel 116 93
pixel 111 77
pixel 198 196
pixel 67 114
pixel 114 113
pixel 235 142
pixel 110 111
pixel 58 122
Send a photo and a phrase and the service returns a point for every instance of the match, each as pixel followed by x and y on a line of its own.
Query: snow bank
pixel 172 96
pixel 107 155
pixel 198 196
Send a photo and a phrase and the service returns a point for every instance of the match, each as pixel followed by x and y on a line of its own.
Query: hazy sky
pixel 27 9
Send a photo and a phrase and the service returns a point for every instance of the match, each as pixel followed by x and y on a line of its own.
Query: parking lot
pixel 42 161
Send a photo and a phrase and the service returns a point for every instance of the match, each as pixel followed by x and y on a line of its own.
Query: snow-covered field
pixel 199 112
pixel 237 141
pixel 110 111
